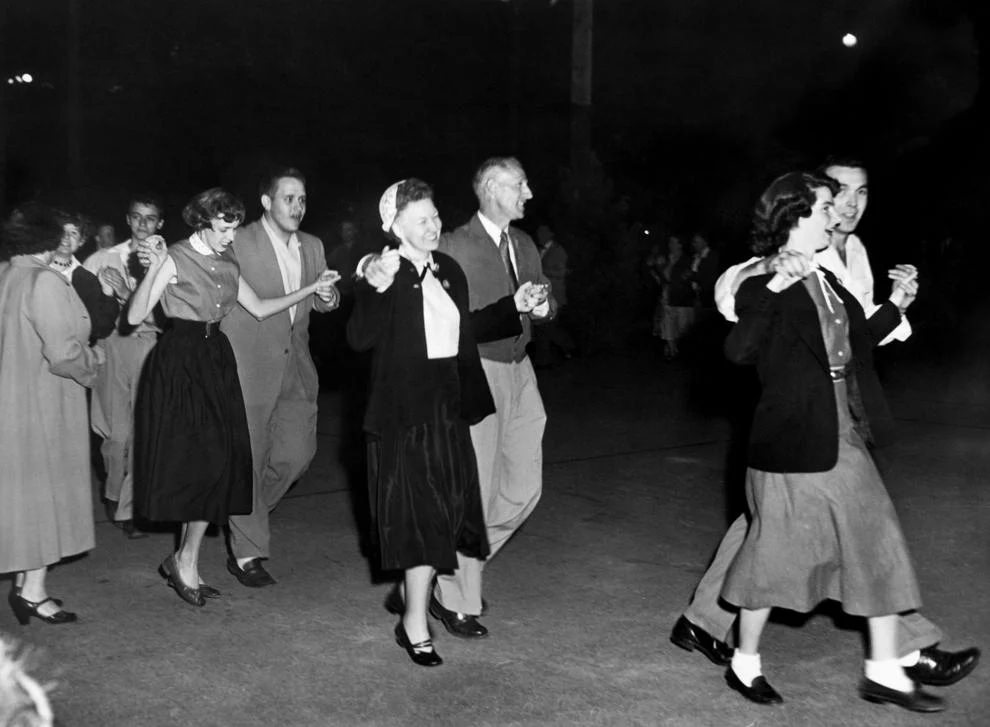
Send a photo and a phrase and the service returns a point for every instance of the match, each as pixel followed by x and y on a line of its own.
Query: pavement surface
pixel 637 495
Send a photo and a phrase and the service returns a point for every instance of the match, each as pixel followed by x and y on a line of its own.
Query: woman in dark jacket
pixel 427 388
pixel 823 526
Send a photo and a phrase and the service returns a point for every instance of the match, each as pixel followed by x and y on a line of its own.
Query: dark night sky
pixel 689 95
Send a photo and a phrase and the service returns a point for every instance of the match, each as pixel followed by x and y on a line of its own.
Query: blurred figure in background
pixel 677 296
pixel 552 339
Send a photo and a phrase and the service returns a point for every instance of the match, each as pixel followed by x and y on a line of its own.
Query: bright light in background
pixel 21 78
pixel 27 78
pixel 849 40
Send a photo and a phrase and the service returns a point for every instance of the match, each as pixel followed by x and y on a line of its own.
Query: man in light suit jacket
pixel 278 378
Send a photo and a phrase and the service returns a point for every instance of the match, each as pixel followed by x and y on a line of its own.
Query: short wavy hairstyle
pixel 788 198
pixel 215 203
pixel 269 182
pixel 409 191
pixel 31 229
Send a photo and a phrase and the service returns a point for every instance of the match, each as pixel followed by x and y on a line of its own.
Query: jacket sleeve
pixel 103 309
pixel 370 316
pixel 754 306
pixel 53 307
pixel 496 321
pixel 883 321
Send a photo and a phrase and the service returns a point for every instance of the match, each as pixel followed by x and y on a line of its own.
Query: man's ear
pixel 266 202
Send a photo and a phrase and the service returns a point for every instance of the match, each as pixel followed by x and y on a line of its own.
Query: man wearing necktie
pixel 497 258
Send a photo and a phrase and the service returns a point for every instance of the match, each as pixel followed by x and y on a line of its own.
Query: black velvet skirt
pixel 192 452
pixel 423 485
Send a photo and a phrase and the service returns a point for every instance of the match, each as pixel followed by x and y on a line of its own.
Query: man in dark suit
pixel 278 378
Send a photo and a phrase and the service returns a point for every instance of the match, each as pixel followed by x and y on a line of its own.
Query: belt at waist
pixel 208 329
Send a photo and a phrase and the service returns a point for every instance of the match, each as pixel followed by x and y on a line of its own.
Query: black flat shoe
pixel 915 700
pixel 25 609
pixel 461 625
pixel 209 591
pixel 395 605
pixel 690 638
pixel 759 691
pixel 170 572
pixel 939 668
pixel 417 652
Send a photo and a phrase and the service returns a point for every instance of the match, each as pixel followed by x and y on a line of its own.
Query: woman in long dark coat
pixel 427 388
pixel 823 526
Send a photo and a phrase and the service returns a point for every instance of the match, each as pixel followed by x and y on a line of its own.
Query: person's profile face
pixel 510 191
pixel 219 234
pixel 817 227
pixel 418 226
pixel 286 206
pixel 144 220
pixel 850 200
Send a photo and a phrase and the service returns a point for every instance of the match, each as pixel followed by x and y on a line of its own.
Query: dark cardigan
pixel 795 427
pixel 391 323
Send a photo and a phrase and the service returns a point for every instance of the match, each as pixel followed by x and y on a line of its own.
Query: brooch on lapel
pixel 445 283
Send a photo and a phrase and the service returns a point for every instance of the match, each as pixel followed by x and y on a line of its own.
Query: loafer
pixel 759 691
pixel 690 638
pixel 915 700
pixel 252 575
pixel 939 668
pixel 462 625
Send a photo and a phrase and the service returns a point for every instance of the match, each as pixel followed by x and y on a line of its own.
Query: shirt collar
pixel 293 238
pixel 199 246
pixel 493 230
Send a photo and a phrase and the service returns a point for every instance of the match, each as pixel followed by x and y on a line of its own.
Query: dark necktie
pixel 503 249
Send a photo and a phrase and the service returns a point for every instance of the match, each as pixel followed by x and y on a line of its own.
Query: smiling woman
pixel 189 406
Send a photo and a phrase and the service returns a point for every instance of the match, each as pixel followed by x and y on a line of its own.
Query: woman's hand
pixel 524 297
pixel 112 280
pixel 381 269
pixel 152 251
pixel 326 289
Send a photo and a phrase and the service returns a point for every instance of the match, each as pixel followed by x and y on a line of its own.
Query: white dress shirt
pixel 289 260
pixel 495 233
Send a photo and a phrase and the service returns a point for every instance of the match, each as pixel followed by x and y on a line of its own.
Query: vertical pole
pixel 73 101
pixel 3 113
pixel 515 69
pixel 581 46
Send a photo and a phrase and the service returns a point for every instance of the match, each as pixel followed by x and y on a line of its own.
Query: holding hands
pixel 114 283
pixel 152 251
pixel 381 269
pixel 788 267
pixel 905 288
pixel 326 289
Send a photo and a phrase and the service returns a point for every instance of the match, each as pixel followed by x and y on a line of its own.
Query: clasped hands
pixel 380 271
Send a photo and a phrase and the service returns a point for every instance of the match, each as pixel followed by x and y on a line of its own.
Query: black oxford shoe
pixel 759 691
pixel 691 637
pixel 915 700
pixel 939 668
pixel 462 625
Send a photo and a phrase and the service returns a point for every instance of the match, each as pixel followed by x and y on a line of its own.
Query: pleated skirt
pixel 824 535
pixel 192 449
pixel 423 485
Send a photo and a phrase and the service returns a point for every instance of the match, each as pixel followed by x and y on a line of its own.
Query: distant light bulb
pixel 849 40
pixel 27 78
pixel 10 81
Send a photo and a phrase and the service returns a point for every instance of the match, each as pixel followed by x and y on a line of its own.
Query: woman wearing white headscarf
pixel 427 388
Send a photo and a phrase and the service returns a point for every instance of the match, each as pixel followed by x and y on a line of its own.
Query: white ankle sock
pixel 889 673
pixel 910 659
pixel 746 666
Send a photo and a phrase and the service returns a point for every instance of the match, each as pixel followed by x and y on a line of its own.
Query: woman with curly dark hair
pixel 823 526
pixel 46 513
pixel 192 451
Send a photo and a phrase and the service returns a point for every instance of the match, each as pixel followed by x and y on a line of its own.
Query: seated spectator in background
pixel 45 366
pixel 101 302
pixel 115 390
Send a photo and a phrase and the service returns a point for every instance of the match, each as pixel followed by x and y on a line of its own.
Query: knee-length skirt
pixel 423 485
pixel 192 456
pixel 824 535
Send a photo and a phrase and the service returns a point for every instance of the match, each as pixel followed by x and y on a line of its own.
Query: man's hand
pixel 381 269
pixel 905 288
pixel 152 251
pixel 114 283
pixel 525 297
pixel 325 288
pixel 788 267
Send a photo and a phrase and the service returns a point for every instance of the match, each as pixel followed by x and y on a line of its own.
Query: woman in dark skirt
pixel 192 451
pixel 427 388
pixel 823 526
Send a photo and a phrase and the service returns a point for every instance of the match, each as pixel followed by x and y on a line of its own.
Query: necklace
pixel 61 263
